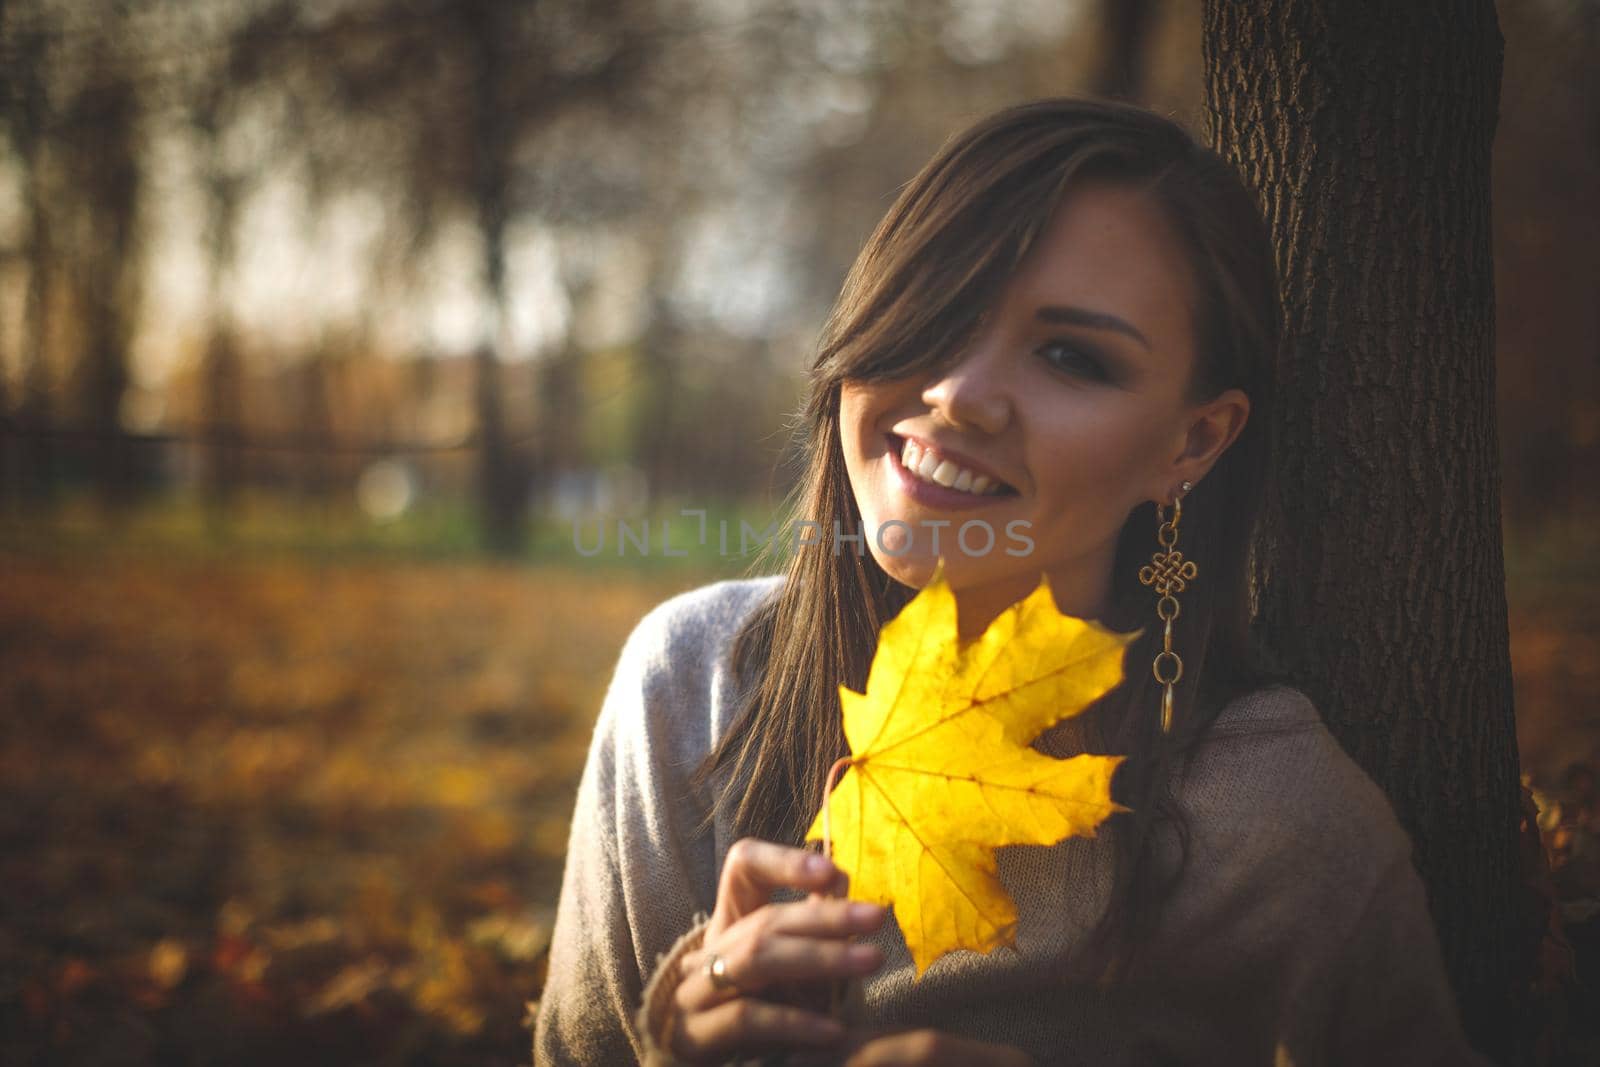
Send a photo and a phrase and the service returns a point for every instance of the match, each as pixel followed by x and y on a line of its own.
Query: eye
pixel 1073 358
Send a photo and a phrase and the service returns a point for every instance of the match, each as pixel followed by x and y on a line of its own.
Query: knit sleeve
pixel 593 979
pixel 634 857
pixel 1393 1001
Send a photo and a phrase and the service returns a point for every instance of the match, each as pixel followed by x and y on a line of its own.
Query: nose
pixel 972 393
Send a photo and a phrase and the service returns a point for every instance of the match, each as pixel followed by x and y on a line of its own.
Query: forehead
pixel 1109 249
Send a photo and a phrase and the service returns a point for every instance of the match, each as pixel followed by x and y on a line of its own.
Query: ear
pixel 1208 431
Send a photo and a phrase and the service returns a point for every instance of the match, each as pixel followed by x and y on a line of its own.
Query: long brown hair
pixel 935 264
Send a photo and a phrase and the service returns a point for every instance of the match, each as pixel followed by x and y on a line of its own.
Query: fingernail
pixel 818 864
pixel 862 912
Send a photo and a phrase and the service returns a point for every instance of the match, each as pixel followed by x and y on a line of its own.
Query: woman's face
pixel 1070 397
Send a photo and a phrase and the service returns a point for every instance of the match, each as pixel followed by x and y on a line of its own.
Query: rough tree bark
pixel 1366 130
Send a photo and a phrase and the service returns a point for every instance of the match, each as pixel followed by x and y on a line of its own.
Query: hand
pixel 765 946
pixel 930 1048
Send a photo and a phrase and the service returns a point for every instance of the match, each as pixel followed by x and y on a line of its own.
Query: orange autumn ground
pixel 273 810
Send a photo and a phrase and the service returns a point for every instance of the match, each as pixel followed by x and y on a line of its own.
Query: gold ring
pixel 717 971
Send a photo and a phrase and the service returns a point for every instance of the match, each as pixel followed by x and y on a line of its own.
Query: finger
pixel 748 1025
pixel 754 868
pixel 741 943
pixel 857 1038
pixel 824 917
pixel 773 961
pixel 802 959
pixel 931 1048
pixel 840 887
pixel 895 1050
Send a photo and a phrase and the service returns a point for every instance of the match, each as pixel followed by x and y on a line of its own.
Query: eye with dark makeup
pixel 1075 358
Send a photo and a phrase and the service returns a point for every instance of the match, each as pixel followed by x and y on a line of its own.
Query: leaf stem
pixel 838 768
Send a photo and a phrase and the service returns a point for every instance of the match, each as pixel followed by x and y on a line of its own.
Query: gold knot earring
pixel 1169 574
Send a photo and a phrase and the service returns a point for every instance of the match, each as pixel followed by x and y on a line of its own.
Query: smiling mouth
pixel 928 465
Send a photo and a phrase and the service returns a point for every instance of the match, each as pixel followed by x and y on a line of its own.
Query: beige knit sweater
pixel 1300 935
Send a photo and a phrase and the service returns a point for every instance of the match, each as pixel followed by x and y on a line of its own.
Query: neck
pixel 1083 593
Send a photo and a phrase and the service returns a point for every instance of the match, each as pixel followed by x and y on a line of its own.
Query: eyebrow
pixel 1095 320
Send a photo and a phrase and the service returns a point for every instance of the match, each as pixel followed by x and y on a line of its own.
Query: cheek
pixel 1107 450
pixel 860 409
pixel 859 406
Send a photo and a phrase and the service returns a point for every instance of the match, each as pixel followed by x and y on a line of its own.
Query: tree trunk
pixel 223 396
pixel 501 479
pixel 1125 25
pixel 36 477
pixel 107 176
pixel 1366 130
pixel 223 375
pixel 27 119
pixel 314 481
pixel 560 417
pixel 656 438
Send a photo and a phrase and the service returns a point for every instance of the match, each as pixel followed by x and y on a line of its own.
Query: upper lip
pixel 956 456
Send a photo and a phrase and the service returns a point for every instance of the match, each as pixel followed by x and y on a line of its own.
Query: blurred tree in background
pixel 586 226
pixel 523 250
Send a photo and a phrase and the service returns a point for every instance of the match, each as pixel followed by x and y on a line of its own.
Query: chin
pixel 916 569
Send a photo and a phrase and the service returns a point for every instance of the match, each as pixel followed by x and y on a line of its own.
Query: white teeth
pixel 930 467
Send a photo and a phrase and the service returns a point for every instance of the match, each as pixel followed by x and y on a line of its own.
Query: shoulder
pixel 1272 785
pixel 695 627
pixel 674 688
pixel 1270 708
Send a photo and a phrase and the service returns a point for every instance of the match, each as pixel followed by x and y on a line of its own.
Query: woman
pixel 1066 321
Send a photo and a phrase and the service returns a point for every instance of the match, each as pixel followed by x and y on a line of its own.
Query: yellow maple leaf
pixel 940 772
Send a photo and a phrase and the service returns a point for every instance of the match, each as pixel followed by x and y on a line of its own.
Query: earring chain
pixel 1169 574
